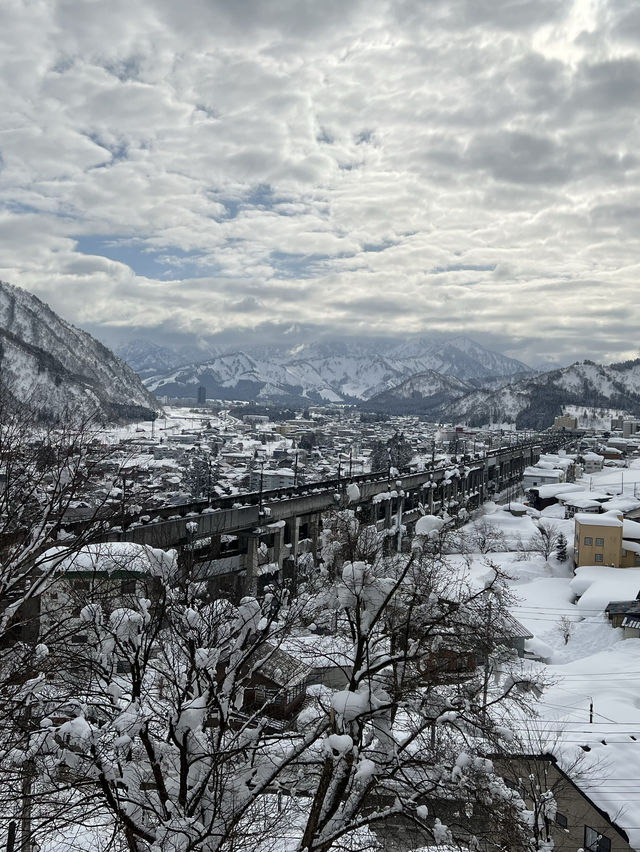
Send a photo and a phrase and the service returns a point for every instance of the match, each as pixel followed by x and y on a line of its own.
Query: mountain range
pixel 452 380
pixel 339 371
pixel 54 368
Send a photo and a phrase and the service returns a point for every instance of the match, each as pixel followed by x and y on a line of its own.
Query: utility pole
pixel 123 501
pixel 26 789
pixel 11 836
pixel 261 484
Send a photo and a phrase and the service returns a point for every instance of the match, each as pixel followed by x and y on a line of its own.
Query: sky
pixel 354 168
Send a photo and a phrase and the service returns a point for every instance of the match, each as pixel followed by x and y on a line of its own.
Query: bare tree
pixel 566 626
pixel 544 540
pixel 485 537
pixel 56 495
pixel 178 717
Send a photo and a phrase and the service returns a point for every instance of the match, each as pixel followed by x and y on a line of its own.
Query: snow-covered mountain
pixel 148 358
pixel 238 376
pixel 534 402
pixel 338 371
pixel 421 394
pixel 458 356
pixel 55 368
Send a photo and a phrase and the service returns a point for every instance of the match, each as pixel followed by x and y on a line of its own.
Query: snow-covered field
pixel 591 711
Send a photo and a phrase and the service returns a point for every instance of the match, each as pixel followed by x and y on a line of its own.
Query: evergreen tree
pixel 400 451
pixel 561 548
pixel 379 457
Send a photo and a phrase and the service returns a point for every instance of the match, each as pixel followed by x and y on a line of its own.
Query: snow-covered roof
pixel 598 585
pixel 608 519
pixel 631 529
pixel 580 501
pixel 282 668
pixel 622 504
pixel 110 556
pixel 543 472
pixel 553 489
pixel 514 629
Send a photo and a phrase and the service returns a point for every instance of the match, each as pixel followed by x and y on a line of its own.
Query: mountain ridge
pixel 54 368
pixel 350 372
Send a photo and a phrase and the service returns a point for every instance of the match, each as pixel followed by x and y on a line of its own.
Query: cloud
pixel 381 168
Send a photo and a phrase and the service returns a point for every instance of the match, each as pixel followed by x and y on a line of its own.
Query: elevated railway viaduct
pixel 237 543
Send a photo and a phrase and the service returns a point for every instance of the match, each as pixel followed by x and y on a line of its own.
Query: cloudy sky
pixel 376 167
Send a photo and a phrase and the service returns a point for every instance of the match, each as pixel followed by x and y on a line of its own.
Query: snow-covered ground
pixel 591 711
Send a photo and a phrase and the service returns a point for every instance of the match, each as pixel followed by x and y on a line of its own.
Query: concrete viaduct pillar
pixel 314 535
pixel 251 565
pixel 388 514
pixel 292 526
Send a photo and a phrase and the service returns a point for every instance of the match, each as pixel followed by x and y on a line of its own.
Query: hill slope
pixel 534 402
pixel 425 393
pixel 54 368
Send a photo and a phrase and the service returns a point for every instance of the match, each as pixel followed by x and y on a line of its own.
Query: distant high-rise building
pixel 202 395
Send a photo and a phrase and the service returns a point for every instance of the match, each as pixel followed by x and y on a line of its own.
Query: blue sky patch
pixel 169 262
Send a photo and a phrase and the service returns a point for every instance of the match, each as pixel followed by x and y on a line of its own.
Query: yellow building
pixel 598 539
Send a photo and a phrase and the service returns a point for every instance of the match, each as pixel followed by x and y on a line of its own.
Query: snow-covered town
pixel 464 649
pixel 319 426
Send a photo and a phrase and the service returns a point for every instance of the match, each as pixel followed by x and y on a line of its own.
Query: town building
pixel 598 539
pixel 565 422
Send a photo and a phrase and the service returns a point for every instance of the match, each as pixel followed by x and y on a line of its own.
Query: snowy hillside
pixel 55 368
pixel 424 393
pixel 534 402
pixel 148 359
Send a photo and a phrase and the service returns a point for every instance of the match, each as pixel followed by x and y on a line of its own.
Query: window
pixel 624 552
pixel 594 842
pixel 561 819
pixel 588 539
pixel 598 557
pixel 599 542
pixel 127 587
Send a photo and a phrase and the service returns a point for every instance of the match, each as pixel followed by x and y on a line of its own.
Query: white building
pixel 534 476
